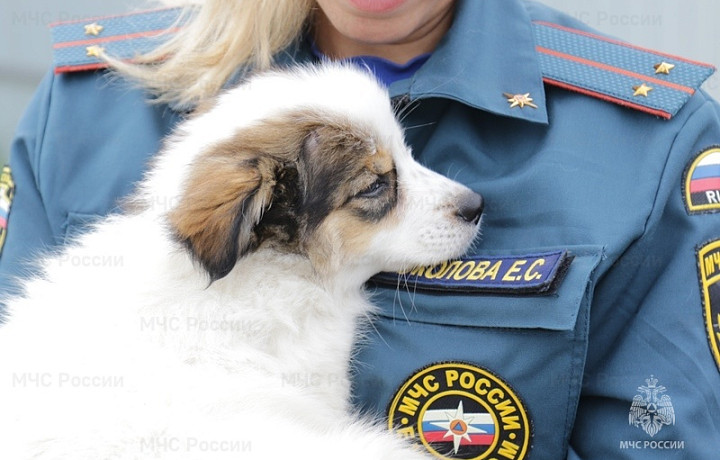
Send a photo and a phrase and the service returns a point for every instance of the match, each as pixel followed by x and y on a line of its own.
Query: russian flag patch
pixel 7 191
pixel 702 182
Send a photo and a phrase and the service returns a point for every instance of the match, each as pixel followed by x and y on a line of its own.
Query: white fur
pixel 123 350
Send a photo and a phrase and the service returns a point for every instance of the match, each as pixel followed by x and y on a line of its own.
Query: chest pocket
pixel 473 374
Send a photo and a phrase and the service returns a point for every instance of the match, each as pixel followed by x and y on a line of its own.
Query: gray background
pixel 686 28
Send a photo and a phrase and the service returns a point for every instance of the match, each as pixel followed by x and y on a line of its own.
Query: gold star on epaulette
pixel 520 100
pixel 664 67
pixel 642 90
pixel 94 51
pixel 93 29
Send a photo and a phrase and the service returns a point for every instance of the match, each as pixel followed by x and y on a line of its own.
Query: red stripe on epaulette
pixel 613 69
pixel 625 44
pixel 577 89
pixel 115 38
pixel 81 67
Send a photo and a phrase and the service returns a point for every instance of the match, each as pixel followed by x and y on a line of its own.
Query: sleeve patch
pixel 7 191
pixel 709 274
pixel 701 182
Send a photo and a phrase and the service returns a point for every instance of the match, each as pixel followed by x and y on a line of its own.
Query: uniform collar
pixel 488 52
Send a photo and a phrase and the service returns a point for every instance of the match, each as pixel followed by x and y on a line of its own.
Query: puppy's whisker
pixel 423 125
pixel 405 109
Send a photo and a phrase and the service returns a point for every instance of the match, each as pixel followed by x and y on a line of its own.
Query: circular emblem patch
pixel 458 410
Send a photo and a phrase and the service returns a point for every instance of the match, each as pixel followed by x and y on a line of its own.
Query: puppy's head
pixel 312 162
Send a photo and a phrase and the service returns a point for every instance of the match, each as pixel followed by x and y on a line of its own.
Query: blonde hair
pixel 215 39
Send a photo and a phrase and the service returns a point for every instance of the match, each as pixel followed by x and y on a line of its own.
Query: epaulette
pixel 78 45
pixel 576 60
pixel 616 71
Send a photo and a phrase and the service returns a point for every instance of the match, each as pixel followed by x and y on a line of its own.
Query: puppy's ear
pixel 230 187
pixel 225 198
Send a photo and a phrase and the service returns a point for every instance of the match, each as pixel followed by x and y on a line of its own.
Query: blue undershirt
pixel 386 71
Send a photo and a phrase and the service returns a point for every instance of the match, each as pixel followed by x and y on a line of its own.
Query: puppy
pixel 219 318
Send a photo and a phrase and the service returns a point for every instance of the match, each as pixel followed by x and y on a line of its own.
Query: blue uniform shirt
pixel 584 326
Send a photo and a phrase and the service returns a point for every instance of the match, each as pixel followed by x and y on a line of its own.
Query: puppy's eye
pixel 374 190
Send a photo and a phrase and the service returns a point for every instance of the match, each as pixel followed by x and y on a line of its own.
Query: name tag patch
pixel 538 274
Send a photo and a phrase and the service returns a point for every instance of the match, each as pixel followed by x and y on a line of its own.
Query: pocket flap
pixel 504 304
pixel 76 223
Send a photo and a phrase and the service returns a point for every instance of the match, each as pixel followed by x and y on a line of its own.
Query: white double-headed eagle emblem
pixel 651 410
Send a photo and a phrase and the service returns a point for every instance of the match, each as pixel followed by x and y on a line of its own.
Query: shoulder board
pixel 78 45
pixel 616 71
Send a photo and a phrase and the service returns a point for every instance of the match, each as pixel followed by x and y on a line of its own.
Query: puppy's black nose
pixel 470 207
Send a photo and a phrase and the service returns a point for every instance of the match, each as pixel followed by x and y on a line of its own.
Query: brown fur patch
pixel 229 188
pixel 277 182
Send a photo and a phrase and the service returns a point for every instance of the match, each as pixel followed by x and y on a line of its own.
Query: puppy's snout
pixel 470 207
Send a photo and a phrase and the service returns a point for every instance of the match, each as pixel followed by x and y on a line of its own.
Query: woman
pixel 590 301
